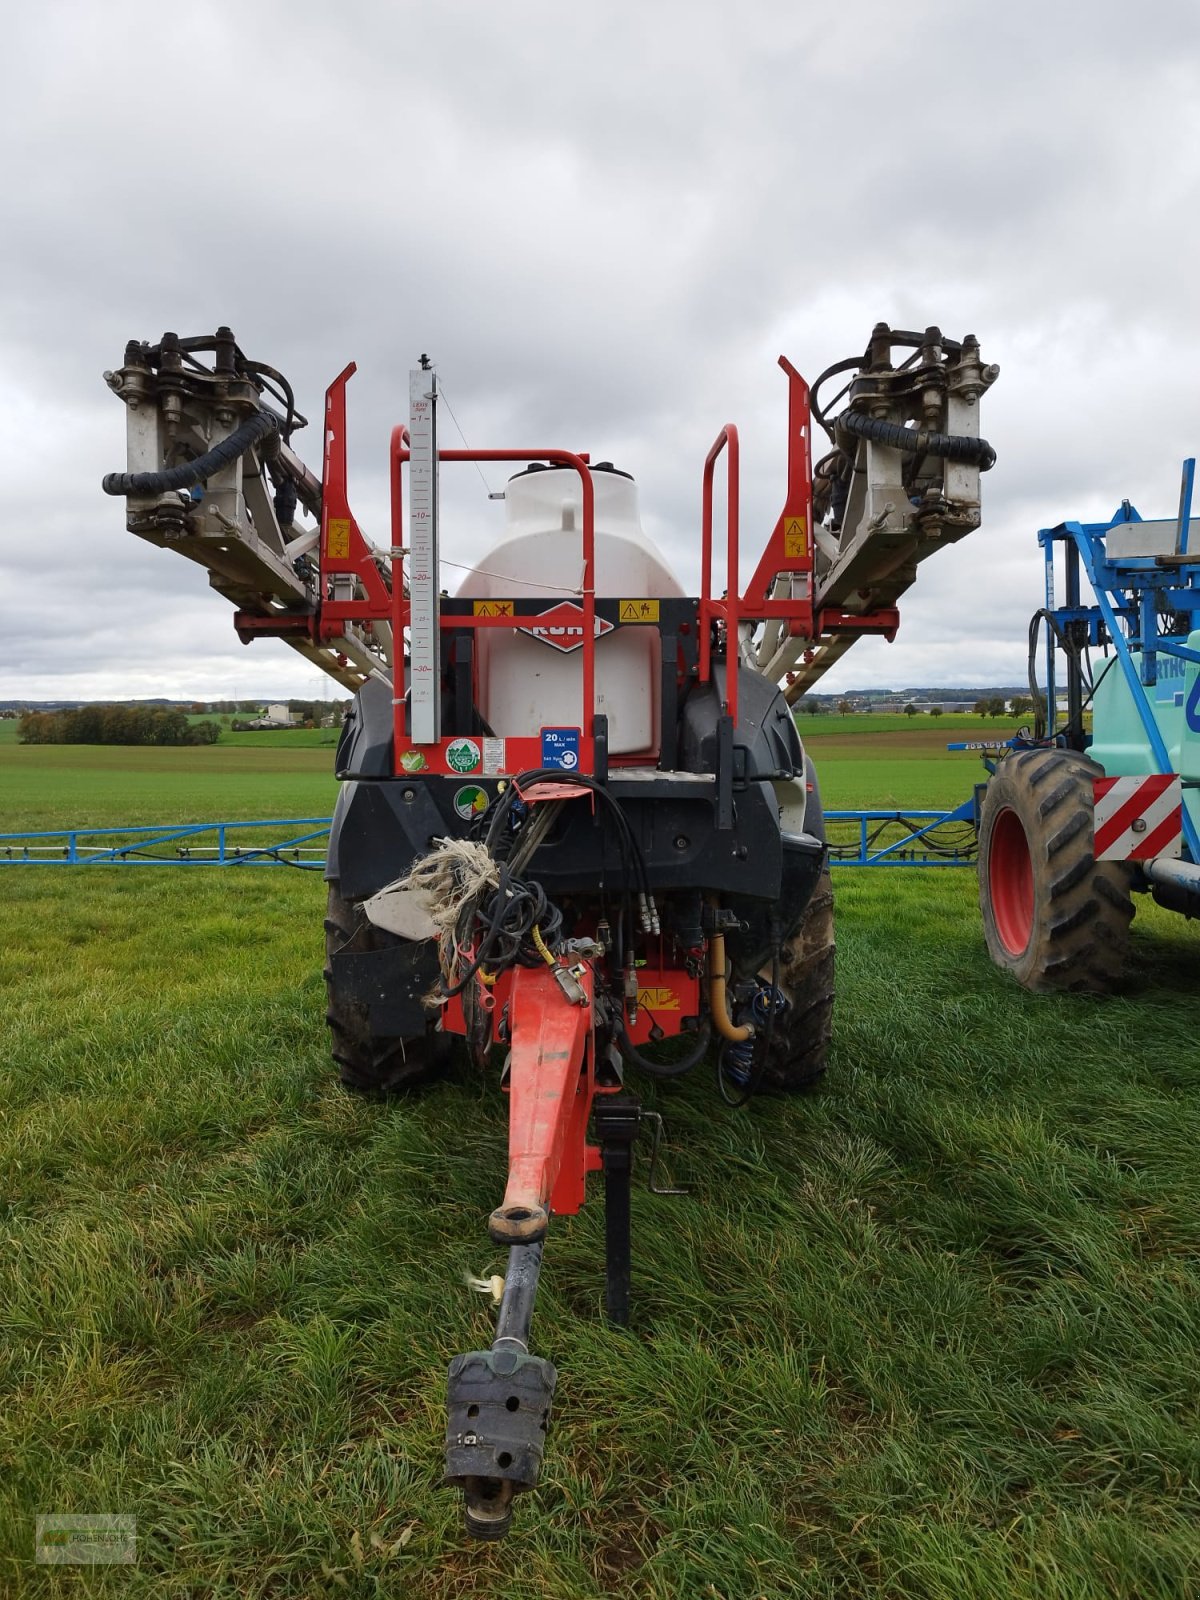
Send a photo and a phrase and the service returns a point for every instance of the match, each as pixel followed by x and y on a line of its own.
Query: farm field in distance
pixel 928 1332
pixel 266 774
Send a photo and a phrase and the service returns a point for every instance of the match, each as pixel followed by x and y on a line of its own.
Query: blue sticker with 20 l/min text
pixel 560 748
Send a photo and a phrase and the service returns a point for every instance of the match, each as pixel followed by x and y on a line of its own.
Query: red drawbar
pixel 551 1083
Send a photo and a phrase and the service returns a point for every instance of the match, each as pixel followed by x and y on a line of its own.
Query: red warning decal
pixel 1135 819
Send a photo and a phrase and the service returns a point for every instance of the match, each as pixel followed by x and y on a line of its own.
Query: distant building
pixel 275 716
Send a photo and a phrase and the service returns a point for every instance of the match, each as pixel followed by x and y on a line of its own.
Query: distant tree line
pixel 994 706
pixel 115 725
pixel 986 706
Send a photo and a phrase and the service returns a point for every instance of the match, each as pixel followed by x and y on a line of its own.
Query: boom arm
pixel 213 476
pixel 901 481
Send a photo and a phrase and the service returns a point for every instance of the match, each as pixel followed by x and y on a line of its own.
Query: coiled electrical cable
pixel 768 1003
pixel 505 927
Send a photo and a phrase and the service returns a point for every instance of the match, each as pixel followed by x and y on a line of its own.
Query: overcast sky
pixel 605 222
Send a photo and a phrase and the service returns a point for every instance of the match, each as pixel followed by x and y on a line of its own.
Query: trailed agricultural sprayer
pixel 576 820
pixel 1074 822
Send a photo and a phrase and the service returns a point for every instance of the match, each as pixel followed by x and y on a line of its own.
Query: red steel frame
pixel 524 753
pixel 789 550
pixel 344 551
pixel 726 609
pixel 797 506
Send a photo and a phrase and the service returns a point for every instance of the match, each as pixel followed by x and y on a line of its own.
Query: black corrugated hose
pixel 201 469
pixel 950 446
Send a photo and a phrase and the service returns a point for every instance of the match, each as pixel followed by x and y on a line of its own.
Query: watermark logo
pixel 85 1541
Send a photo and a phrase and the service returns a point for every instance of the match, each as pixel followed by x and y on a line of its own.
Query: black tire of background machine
pixel 1082 908
pixel 365 1061
pixel 800 1042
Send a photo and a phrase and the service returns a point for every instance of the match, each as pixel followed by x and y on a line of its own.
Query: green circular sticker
pixel 470 801
pixel 462 755
pixel 413 761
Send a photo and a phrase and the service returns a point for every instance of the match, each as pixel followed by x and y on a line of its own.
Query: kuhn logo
pixel 562 627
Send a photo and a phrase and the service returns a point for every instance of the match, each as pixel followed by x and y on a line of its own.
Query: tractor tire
pixel 799 1047
pixel 1053 916
pixel 365 1061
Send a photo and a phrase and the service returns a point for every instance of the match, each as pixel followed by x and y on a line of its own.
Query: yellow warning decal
pixel 493 608
pixel 795 537
pixel 337 538
pixel 658 999
pixel 637 611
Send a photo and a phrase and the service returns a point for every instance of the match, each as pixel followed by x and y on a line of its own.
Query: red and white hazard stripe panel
pixel 1135 819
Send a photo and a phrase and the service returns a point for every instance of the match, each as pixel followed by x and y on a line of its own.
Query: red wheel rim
pixel 1010 882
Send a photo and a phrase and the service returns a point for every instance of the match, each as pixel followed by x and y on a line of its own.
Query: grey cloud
pixel 605 224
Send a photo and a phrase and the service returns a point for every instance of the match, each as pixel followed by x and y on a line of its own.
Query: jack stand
pixel 617 1120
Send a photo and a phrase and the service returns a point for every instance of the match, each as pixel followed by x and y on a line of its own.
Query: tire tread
pixel 800 1047
pixel 1082 907
pixel 364 1060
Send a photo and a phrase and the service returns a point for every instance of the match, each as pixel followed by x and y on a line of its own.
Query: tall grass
pixel 929 1332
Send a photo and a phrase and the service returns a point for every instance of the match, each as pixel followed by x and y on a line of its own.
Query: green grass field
pixel 252 775
pixel 929 1332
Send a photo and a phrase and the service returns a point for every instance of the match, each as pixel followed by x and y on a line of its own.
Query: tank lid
pixel 557 466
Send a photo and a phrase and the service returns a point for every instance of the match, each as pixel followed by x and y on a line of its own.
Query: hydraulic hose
pixel 668 1069
pixel 758 1066
pixel 254 428
pixel 285 501
pixel 717 1002
pixel 950 446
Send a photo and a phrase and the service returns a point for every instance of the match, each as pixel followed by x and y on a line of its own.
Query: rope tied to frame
pixel 457 874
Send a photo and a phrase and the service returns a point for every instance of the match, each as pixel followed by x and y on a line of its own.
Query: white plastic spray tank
pixel 534 679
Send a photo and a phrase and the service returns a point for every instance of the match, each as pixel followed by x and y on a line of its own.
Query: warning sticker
pixel 337 538
pixel 795 537
pixel 637 611
pixel 658 999
pixel 494 761
pixel 493 608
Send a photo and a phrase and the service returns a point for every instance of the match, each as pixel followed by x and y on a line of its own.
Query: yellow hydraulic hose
pixel 716 994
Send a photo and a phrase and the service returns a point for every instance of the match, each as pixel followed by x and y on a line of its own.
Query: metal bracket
pixel 655 1143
